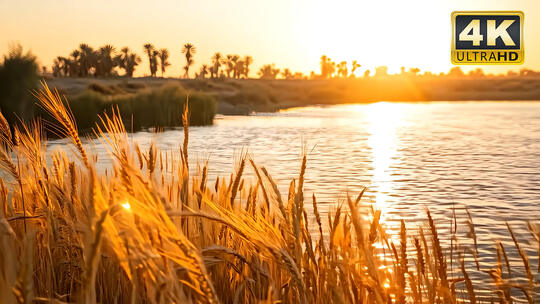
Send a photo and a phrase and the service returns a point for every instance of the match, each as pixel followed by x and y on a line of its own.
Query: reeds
pixel 148 232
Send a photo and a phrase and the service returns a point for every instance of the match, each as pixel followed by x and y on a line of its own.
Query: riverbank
pixel 243 96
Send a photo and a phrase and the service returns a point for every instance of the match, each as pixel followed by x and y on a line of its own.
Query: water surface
pixel 445 156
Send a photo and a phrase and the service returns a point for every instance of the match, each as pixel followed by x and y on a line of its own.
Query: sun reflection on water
pixel 384 120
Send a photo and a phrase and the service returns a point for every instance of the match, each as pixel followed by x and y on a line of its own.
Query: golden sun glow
pixel 384 119
pixel 292 34
pixel 126 205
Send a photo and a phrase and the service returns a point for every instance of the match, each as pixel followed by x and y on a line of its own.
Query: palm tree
pixel 62 65
pixel 342 69
pixel 128 61
pixel 355 65
pixel 238 69
pixel 105 63
pixel 204 71
pixel 230 63
pixel 132 62
pixel 247 61
pixel 414 71
pixel 287 74
pixel 154 63
pixel 189 50
pixel 217 59
pixel 331 68
pixel 163 55
pixel 56 68
pixel 212 71
pixel 87 59
pixel 74 68
pixel 268 71
pixel 149 49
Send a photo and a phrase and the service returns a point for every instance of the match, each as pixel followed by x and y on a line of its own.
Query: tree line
pixel 105 61
pixel 85 61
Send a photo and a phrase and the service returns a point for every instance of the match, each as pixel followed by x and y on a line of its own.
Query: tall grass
pixel 159 107
pixel 148 232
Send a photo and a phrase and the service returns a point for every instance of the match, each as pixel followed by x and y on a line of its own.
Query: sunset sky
pixel 291 34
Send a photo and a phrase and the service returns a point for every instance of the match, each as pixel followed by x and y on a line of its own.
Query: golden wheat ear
pixel 51 102
pixel 5 130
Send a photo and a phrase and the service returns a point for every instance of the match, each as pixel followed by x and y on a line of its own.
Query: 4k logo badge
pixel 487 38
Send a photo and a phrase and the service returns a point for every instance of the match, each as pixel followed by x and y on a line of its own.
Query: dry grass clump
pixel 148 232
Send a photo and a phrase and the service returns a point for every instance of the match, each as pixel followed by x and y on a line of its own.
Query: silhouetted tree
pixel 204 71
pixel 248 60
pixel 74 64
pixel 163 55
pixel 238 68
pixel 456 72
pixel 230 63
pixel 268 71
pixel 62 66
pixel 104 62
pixel 331 68
pixel 328 67
pixel 354 67
pixel 342 69
pixel 152 61
pixel 217 60
pixel 189 50
pixel 414 71
pixel 287 74
pixel 212 71
pixel 56 68
pixel 128 61
pixel 87 60
pixel 324 66
pixel 476 73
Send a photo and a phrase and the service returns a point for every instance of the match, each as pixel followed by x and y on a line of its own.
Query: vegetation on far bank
pixel 243 96
pixel 107 61
pixel 18 76
pixel 149 231
pixel 142 107
pixel 231 80
pixel 90 80
pixel 147 108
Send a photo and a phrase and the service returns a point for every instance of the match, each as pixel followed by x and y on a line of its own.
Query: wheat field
pixel 147 231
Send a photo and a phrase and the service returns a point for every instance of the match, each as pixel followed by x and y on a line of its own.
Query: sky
pixel 292 34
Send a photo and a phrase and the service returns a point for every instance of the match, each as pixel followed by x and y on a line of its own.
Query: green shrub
pixel 86 107
pixel 18 77
pixel 157 107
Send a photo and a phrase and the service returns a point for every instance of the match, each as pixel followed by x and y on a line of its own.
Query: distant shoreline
pixel 244 96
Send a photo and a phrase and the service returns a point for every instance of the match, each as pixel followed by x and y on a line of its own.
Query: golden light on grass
pixel 126 205
pixel 190 242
